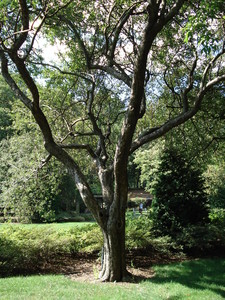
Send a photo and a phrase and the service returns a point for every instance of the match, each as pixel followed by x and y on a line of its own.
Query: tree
pixel 29 193
pixel 112 66
pixel 215 179
pixel 179 192
pixel 6 96
pixel 201 139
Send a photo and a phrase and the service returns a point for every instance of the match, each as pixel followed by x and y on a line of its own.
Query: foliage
pixel 202 138
pixel 215 178
pixel 217 217
pixel 33 191
pixel 134 203
pixel 6 98
pixel 148 160
pixel 28 193
pixel 90 238
pixel 133 174
pixel 69 216
pixel 197 26
pixel 24 248
pixel 68 194
pixel 179 195
pixel 29 248
pixel 202 240
pixel 140 235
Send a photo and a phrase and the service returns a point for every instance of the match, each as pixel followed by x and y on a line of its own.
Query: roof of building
pixel 138 193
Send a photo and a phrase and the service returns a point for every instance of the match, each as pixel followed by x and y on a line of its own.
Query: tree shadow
pixel 196 274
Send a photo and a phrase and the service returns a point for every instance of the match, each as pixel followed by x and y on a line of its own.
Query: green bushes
pixel 23 248
pixel 217 217
pixel 139 234
pixel 89 238
pixel 29 248
pixel 179 197
pixel 71 216
pixel 209 239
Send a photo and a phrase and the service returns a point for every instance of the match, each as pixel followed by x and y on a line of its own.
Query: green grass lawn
pixel 56 226
pixel 198 279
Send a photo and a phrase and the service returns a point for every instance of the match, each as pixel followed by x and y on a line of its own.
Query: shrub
pixel 200 240
pixel 17 249
pixel 139 235
pixel 26 249
pixel 90 238
pixel 217 217
pixel 2 219
pixel 23 248
pixel 179 196
pixel 68 216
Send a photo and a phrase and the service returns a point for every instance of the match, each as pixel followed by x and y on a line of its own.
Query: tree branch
pixel 8 78
pixel 25 26
pixel 116 74
pixel 80 74
pixel 80 41
pixel 97 130
pixel 79 147
pixel 118 29
pixel 209 66
pixel 157 132
pixel 35 35
pixel 44 162
pixel 189 87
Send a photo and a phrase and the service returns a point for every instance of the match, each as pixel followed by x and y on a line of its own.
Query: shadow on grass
pixel 206 274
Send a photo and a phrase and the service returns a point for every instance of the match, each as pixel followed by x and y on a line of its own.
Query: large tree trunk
pixel 113 229
pixel 113 252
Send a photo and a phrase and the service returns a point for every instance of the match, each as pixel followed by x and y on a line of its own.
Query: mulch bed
pixel 85 267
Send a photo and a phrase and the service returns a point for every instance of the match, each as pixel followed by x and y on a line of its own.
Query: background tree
pixel 30 190
pixel 6 97
pixel 215 178
pixel 116 53
pixel 180 199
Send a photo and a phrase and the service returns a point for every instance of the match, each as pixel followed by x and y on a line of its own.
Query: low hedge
pixel 28 249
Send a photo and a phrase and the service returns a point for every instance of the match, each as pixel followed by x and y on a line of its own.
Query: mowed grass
pixel 198 279
pixel 55 226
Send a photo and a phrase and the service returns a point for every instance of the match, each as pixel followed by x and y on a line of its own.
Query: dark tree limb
pixel 82 75
pixel 8 78
pixel 155 133
pixel 79 147
pixel 50 145
pixel 189 87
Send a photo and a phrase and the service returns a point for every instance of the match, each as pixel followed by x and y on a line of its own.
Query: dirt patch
pixel 72 266
pixel 86 267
